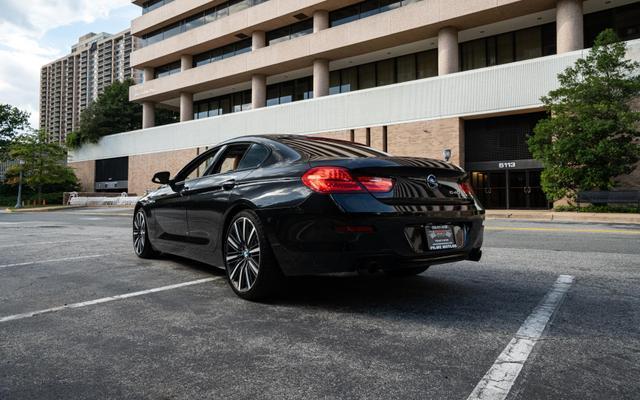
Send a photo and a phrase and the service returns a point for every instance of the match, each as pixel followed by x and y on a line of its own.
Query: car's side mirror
pixel 162 178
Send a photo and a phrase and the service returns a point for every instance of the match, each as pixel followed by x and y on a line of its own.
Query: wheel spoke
pixel 244 230
pixel 235 228
pixel 253 231
pixel 246 274
pixel 254 266
pixel 233 243
pixel 235 269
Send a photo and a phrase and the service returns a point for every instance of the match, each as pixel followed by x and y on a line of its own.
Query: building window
pixel 508 47
pixel 364 9
pixel 625 21
pixel 151 5
pixel 204 17
pixel 290 91
pixel 227 104
pixel 167 70
pixel 220 53
pixel 386 72
pixel 290 32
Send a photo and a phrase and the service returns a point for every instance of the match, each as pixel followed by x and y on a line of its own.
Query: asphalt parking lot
pixel 551 312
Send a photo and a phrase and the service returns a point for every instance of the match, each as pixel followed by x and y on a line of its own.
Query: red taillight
pixel 339 180
pixel 375 184
pixel 331 180
pixel 466 188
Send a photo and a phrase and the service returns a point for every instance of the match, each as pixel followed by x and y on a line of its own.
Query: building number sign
pixel 508 164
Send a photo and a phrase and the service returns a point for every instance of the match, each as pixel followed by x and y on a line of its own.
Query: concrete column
pixel 186 106
pixel 320 20
pixel 148 115
pixel 448 51
pixel 320 78
pixel 186 62
pixel 258 40
pixel 148 73
pixel 569 25
pixel 258 91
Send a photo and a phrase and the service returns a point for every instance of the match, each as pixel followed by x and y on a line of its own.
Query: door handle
pixel 228 185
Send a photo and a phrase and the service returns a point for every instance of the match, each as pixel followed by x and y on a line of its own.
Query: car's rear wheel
pixel 141 244
pixel 252 271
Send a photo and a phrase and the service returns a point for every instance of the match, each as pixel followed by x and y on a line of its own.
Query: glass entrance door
pixel 509 189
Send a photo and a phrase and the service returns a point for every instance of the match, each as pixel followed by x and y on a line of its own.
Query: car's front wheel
pixel 251 268
pixel 141 244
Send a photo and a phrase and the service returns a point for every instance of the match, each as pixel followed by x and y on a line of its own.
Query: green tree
pixel 591 135
pixel 111 113
pixel 12 122
pixel 44 164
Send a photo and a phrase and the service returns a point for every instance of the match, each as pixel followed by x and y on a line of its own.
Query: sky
pixel 36 32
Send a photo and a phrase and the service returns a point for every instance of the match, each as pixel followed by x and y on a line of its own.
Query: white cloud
pixel 23 23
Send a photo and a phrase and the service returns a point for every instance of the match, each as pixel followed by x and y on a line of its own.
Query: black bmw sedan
pixel 266 207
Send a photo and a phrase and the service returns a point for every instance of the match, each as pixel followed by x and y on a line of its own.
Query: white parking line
pixel 55 260
pixel 54 242
pixel 107 299
pixel 497 382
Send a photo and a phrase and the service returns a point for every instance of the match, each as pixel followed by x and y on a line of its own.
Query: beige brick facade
pixel 86 174
pixel 416 139
pixel 142 167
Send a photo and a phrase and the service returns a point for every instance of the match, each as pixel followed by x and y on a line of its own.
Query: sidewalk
pixel 61 208
pixel 544 215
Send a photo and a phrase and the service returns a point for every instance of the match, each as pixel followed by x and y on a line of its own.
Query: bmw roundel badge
pixel 432 181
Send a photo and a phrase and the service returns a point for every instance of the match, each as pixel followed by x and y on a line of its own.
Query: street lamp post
pixel 19 200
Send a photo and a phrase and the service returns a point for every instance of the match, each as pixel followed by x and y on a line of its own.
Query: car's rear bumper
pixel 308 243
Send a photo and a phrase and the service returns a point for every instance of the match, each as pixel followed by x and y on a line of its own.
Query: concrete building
pixel 412 77
pixel 69 84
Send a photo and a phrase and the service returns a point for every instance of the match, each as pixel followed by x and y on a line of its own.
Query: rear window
pixel 322 148
pixel 254 157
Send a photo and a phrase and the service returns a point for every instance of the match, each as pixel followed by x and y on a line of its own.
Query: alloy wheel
pixel 139 232
pixel 243 254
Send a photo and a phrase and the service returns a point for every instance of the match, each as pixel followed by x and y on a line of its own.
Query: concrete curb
pixel 42 209
pixel 608 218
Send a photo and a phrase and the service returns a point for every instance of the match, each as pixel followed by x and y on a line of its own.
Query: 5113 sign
pixel 507 164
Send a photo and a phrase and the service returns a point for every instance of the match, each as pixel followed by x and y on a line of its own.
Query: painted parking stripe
pixel 107 299
pixel 53 242
pixel 498 381
pixel 617 231
pixel 55 260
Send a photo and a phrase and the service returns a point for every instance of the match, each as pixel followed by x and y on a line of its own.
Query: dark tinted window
pixel 499 138
pixel 320 148
pixel 624 20
pixel 254 157
pixel 112 169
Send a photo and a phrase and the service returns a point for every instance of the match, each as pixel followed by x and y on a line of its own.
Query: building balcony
pixel 374 33
pixel 507 88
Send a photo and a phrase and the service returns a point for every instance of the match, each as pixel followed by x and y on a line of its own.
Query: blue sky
pixel 35 32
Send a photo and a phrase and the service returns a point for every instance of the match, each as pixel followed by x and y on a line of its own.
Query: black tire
pixel 141 244
pixel 407 271
pixel 252 271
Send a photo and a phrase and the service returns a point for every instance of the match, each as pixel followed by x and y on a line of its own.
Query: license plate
pixel 441 237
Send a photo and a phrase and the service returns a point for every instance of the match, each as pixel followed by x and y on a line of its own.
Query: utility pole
pixel 19 200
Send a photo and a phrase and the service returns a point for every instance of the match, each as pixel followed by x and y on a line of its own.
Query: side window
pixel 198 170
pixel 256 154
pixel 231 158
